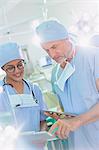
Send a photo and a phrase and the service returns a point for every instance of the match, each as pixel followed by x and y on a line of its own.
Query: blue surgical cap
pixel 51 30
pixel 9 52
pixel 95 40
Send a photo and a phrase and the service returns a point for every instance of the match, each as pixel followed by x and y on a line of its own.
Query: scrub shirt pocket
pixel 28 117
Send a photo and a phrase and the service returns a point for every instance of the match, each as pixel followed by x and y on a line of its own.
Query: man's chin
pixel 59 61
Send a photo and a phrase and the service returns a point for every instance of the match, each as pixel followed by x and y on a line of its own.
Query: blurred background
pixel 18 19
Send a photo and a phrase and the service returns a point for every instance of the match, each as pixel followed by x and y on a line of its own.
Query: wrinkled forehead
pixel 48 45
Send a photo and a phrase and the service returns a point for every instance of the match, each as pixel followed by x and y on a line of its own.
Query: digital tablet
pixel 60 114
pixel 37 137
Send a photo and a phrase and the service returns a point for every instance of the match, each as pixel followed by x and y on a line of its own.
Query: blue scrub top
pixel 80 94
pixel 4 101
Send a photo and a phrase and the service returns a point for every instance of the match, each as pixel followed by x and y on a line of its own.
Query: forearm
pixel 91 116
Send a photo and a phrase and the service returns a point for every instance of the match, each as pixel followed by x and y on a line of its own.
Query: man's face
pixel 57 50
pixel 15 70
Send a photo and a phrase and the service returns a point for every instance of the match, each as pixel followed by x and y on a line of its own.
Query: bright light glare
pixel 36 40
pixel 8 137
pixel 1 89
pixel 83 41
pixel 35 23
pixel 85 17
pixel 11 131
pixel 1 129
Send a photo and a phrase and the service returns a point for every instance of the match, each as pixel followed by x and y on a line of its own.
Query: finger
pixel 53 128
pixel 67 131
pixel 53 115
pixel 63 132
pixel 58 133
pixel 60 127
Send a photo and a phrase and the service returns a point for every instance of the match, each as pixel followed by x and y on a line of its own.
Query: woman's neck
pixel 18 85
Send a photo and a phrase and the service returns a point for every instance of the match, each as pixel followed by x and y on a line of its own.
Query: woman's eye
pixel 10 68
pixel 20 65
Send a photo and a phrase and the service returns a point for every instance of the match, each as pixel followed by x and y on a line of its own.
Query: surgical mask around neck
pixel 63 75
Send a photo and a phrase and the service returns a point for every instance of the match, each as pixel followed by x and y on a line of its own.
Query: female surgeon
pixel 23 99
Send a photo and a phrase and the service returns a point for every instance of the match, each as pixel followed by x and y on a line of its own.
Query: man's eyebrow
pixel 49 47
pixel 54 45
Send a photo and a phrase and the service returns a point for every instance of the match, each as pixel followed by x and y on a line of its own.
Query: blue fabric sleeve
pixel 39 97
pixel 96 65
pixel 4 105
